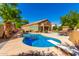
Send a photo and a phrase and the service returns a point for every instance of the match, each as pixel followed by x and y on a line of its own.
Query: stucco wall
pixel 74 37
pixel 34 27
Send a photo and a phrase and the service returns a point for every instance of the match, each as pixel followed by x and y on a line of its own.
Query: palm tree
pixel 10 15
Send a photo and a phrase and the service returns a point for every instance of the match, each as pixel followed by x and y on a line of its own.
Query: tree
pixel 55 27
pixel 60 28
pixel 24 22
pixel 9 12
pixel 71 19
pixel 19 24
pixel 10 15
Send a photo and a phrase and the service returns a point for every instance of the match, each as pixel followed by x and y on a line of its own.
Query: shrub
pixel 37 53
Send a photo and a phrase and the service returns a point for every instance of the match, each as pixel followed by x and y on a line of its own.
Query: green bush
pixel 55 28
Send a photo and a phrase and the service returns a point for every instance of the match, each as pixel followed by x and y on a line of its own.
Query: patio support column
pixel 48 28
pixel 43 27
pixel 51 28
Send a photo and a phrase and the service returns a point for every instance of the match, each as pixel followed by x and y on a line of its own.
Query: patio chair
pixel 65 33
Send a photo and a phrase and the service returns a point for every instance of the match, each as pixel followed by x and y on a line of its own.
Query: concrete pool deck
pixel 16 46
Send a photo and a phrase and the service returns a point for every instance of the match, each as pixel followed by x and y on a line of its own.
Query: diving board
pixel 60 46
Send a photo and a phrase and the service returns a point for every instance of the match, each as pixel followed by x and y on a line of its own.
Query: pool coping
pixel 16 46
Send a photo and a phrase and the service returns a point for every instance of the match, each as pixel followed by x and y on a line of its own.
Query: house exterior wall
pixel 34 27
pixel 38 27
pixel 65 28
pixel 25 28
pixel 46 26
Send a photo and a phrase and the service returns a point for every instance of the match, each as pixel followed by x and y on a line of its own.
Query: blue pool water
pixel 37 40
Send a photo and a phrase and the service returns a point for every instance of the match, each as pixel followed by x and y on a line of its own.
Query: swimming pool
pixel 38 40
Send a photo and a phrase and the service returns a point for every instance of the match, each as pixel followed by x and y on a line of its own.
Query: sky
pixel 51 11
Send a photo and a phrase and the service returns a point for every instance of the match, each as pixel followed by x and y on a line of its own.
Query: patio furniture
pixel 65 33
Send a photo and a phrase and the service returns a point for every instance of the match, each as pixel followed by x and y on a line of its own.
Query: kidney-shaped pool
pixel 38 40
